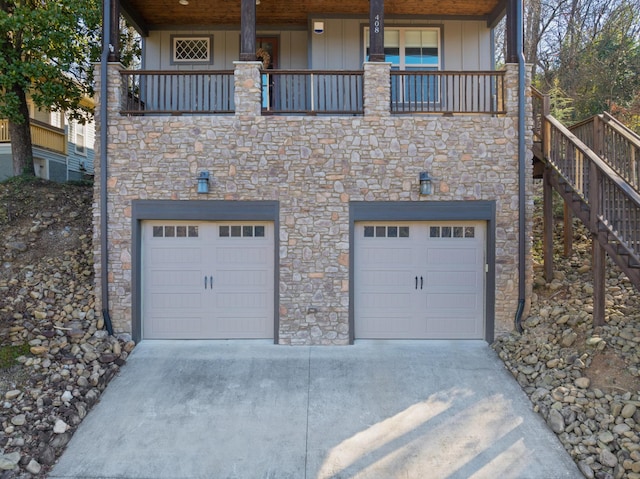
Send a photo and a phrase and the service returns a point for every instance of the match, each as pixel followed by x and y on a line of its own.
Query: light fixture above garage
pixel 203 182
pixel 426 185
pixel 183 2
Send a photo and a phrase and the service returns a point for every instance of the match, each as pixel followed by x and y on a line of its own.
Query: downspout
pixel 104 251
pixel 522 199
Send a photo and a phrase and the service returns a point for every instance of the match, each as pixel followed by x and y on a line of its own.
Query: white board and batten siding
pixel 207 280
pixel 420 280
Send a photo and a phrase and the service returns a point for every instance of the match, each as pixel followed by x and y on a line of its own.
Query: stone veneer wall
pixel 314 166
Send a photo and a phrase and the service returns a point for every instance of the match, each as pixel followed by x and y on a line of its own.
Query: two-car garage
pixel 215 276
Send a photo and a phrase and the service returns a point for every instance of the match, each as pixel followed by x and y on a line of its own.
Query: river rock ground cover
pixel 56 358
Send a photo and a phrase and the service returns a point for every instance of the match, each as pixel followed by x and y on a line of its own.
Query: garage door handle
pixel 416 282
pixel 205 282
pixel 211 281
pixel 421 282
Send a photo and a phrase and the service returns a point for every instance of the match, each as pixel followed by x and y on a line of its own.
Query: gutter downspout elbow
pixel 104 238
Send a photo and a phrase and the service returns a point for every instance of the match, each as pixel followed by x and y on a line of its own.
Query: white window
pixel 409 48
pixel 80 135
pixel 192 49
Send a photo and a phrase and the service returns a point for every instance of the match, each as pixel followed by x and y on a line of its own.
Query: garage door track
pixel 375 410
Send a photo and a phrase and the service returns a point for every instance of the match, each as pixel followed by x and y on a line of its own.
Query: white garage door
pixel 205 280
pixel 420 280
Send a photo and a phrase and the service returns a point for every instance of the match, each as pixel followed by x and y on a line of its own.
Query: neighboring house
pixel 62 147
pixel 264 172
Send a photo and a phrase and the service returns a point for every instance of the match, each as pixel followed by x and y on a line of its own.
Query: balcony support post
pixel 114 33
pixel 248 31
pixel 376 31
pixel 513 55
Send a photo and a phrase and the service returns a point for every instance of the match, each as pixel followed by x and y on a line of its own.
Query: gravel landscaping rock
pixel 47 303
pixel 584 381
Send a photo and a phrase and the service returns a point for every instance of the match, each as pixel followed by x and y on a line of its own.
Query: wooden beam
pixel 599 257
pixel 133 18
pixel 512 32
pixel 497 14
pixel 547 223
pixel 248 30
pixel 568 230
pixel 376 31
pixel 114 34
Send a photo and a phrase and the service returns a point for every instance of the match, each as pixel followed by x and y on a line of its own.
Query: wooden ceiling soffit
pixel 133 17
pixel 145 15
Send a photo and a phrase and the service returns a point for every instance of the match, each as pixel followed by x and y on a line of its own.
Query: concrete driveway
pixel 250 409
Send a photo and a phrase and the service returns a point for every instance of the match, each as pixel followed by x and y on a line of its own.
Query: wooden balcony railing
pixel 42 136
pixel 447 92
pixel 312 92
pixel 178 92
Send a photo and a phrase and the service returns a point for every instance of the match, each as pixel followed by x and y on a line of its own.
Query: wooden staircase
pixel 595 166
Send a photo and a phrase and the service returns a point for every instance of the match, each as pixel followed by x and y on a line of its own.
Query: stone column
pixel 248 89
pixel 377 89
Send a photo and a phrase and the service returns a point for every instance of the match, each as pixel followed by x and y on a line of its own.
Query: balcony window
pixel 409 48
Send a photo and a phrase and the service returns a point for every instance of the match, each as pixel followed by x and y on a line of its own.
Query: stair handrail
pixel 598 185
pixel 623 129
pixel 612 141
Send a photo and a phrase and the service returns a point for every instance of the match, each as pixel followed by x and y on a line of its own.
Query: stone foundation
pixel 314 167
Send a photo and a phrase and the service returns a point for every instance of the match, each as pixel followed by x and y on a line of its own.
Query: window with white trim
pixel 409 48
pixel 192 49
pixel 80 135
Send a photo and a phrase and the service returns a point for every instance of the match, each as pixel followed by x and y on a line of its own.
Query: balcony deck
pixel 42 136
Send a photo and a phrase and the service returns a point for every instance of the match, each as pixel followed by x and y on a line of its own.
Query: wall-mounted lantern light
pixel 426 186
pixel 203 182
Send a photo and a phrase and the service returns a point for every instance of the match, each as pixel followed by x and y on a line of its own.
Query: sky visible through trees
pixel 588 52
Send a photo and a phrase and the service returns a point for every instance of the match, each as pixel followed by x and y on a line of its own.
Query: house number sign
pixel 376 31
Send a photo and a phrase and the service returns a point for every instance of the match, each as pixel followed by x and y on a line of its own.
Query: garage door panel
pixel 176 279
pixel 451 257
pixel 243 255
pixel 445 280
pixel 177 301
pixel 183 328
pixel 452 301
pixel 452 328
pixel 178 255
pixel 384 301
pixel 431 287
pixel 246 278
pixel 215 284
pixel 242 300
pixel 393 257
pixel 382 278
